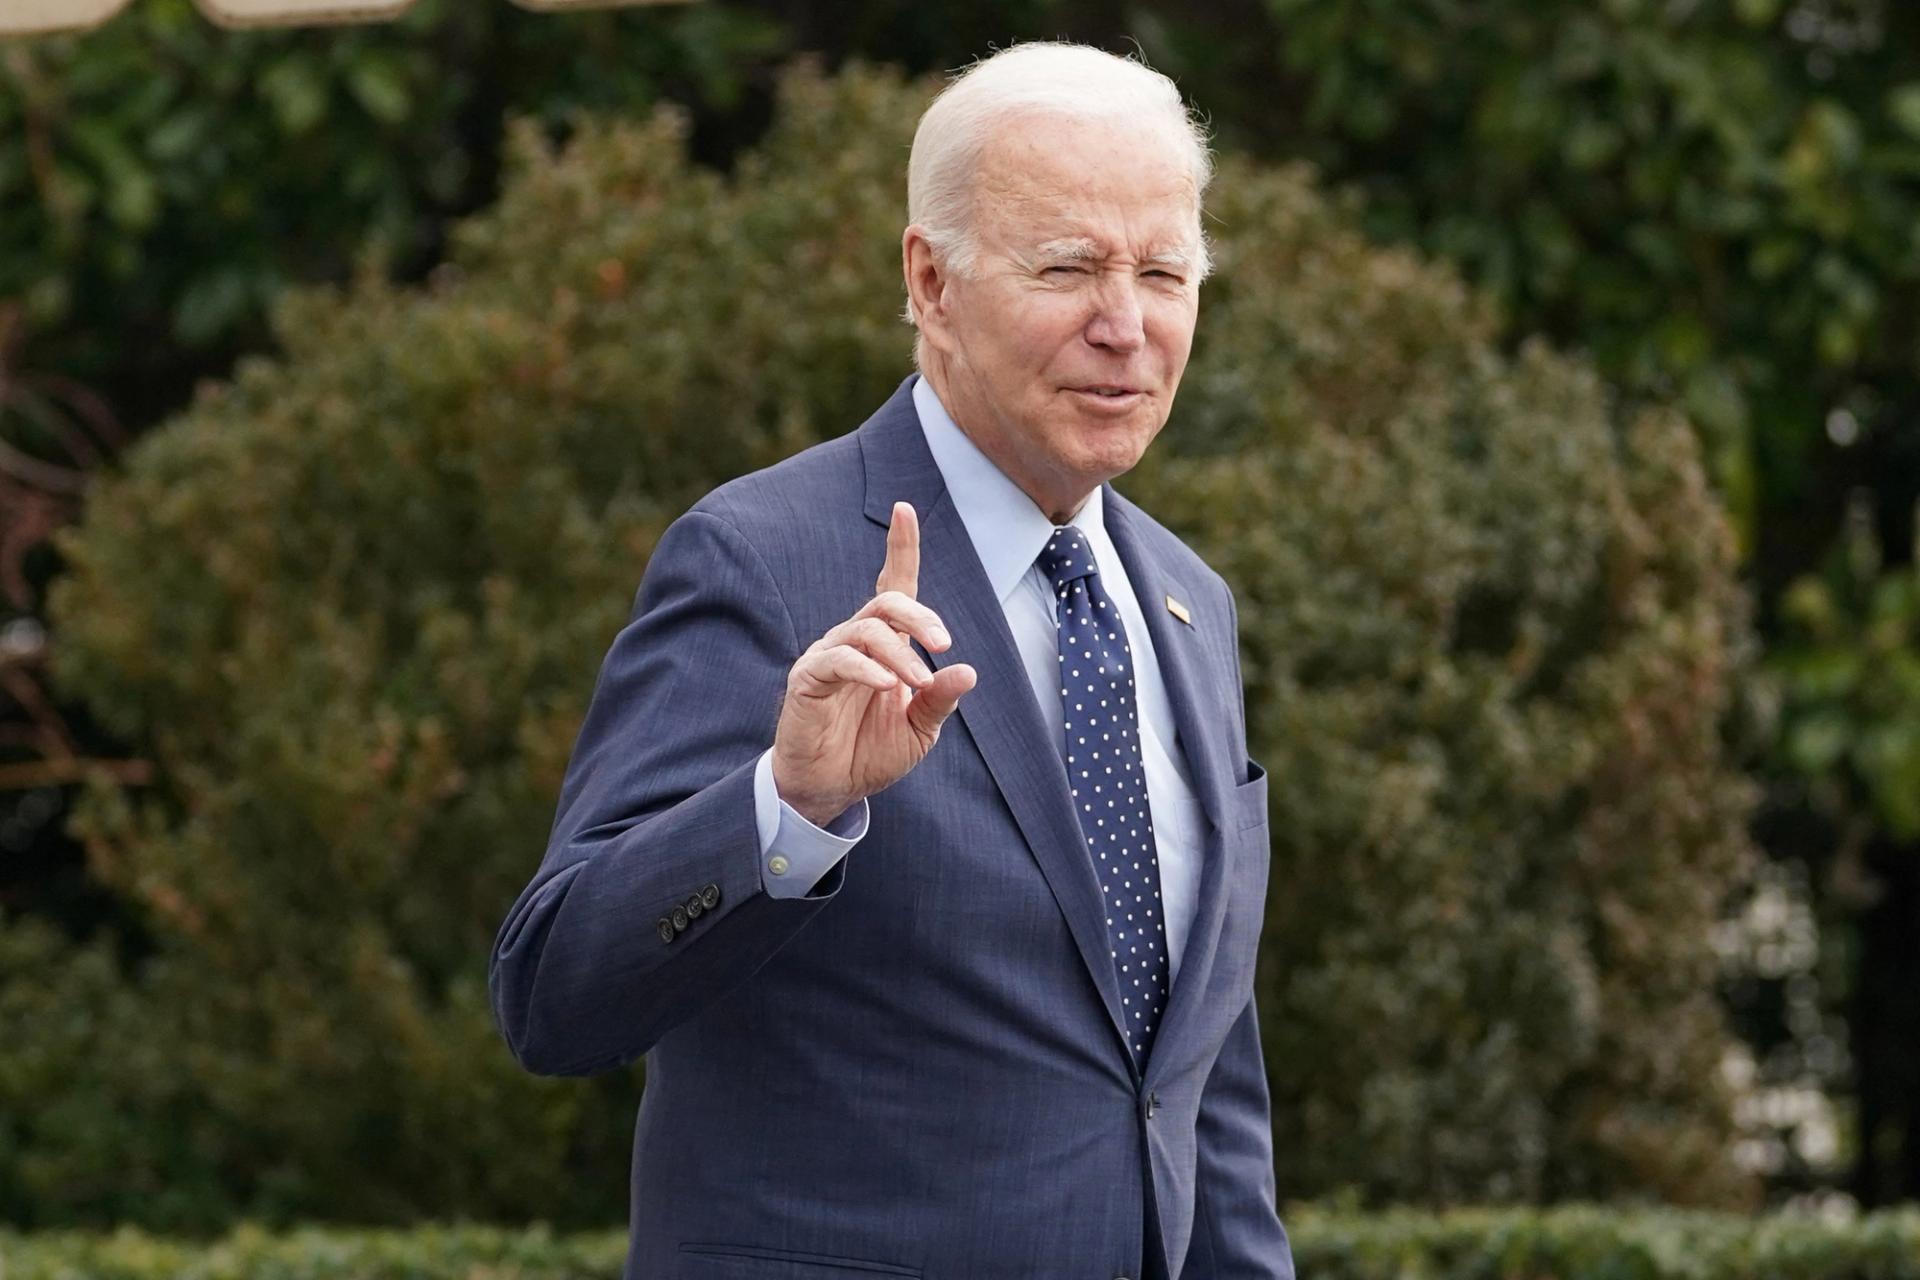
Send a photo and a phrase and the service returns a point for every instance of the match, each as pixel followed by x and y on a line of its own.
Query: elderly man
pixel 924 994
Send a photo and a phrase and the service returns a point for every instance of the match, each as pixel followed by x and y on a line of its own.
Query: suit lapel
pixel 1183 651
pixel 1000 712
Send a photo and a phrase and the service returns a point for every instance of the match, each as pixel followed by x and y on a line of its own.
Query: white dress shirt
pixel 1008 532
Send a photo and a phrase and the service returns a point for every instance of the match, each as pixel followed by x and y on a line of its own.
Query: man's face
pixel 1066 343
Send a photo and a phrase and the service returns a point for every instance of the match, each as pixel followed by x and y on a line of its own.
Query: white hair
pixel 1051 77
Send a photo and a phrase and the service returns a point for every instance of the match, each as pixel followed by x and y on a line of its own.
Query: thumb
pixel 935 702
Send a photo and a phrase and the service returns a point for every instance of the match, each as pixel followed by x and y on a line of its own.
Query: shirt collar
pixel 1007 529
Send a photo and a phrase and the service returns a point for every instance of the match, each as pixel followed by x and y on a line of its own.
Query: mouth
pixel 1108 398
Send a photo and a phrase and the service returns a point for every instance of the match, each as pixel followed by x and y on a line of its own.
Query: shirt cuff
pixel 795 854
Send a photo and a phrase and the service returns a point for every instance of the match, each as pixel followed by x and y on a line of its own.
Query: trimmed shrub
pixel 352 603
pixel 1490 631
pixel 1571 1243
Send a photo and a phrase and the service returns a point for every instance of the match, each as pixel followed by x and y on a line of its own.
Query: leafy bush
pixel 98 1115
pixel 1573 1243
pixel 165 177
pixel 352 602
pixel 1490 631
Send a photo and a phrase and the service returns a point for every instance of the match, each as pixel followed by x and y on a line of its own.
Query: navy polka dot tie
pixel 1108 778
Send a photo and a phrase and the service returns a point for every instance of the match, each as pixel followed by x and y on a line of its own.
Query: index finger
pixel 901 572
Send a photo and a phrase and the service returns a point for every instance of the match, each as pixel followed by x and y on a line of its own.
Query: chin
pixel 1117 458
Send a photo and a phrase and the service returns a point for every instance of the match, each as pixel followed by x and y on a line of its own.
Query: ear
pixel 927 283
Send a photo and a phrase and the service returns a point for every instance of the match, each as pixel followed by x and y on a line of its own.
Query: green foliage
pixel 1572 1243
pixel 1716 199
pixel 1490 631
pixel 250 1252
pixel 97 1116
pixel 350 603
pixel 1582 1242
pixel 166 178
pixel 1850 667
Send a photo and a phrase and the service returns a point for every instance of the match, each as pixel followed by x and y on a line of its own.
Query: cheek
pixel 1045 327
pixel 1169 326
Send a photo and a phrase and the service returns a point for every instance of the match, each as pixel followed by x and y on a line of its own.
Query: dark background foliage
pixel 1715 200
pixel 349 604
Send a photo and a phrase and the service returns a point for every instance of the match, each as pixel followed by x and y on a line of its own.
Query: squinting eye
pixel 1075 270
pixel 1164 275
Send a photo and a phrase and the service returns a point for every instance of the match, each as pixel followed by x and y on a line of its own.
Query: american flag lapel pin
pixel 1179 611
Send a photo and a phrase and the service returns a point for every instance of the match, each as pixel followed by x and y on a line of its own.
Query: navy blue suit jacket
pixel 919 1070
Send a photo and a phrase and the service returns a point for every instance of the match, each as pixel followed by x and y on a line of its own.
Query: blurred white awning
pixel 38 17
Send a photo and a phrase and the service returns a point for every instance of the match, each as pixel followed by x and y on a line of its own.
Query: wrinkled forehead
pixel 1076 188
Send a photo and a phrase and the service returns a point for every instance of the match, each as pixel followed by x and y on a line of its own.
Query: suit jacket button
pixel 710 896
pixel 695 907
pixel 665 928
pixel 679 919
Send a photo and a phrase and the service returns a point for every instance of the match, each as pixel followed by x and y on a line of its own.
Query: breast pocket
pixel 1248 854
pixel 1248 805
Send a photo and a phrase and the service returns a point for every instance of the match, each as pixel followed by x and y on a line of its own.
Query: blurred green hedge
pixel 352 602
pixel 1570 1243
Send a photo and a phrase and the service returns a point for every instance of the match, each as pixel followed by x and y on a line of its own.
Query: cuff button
pixel 665 928
pixel 679 919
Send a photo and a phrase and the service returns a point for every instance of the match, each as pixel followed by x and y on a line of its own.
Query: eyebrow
pixel 1070 249
pixel 1081 249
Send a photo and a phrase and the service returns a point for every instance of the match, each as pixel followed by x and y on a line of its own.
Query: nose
pixel 1116 323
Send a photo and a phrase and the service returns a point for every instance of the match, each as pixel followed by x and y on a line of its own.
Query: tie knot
pixel 1067 557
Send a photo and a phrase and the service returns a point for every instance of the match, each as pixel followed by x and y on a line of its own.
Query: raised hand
pixel 861 707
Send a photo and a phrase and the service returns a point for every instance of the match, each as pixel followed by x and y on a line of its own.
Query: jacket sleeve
pixel 1236 1223
pixel 656 813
